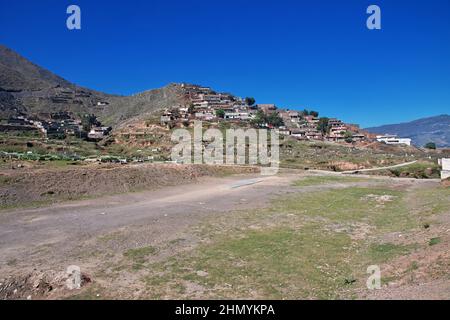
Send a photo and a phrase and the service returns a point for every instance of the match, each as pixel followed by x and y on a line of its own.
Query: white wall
pixel 445 163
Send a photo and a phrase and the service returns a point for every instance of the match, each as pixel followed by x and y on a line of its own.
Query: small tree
pixel 191 108
pixel 322 126
pixel 431 145
pixel 274 119
pixel 259 119
pixel 348 137
pixel 88 121
pixel 314 114
pixel 305 112
pixel 220 113
pixel 250 101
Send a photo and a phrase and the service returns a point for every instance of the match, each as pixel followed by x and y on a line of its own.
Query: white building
pixel 393 139
pixel 205 115
pixel 445 173
pixel 237 116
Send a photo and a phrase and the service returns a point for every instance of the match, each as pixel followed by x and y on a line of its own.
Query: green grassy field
pixel 320 180
pixel 304 246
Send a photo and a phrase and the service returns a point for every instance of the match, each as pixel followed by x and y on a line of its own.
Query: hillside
pixel 28 89
pixel 434 129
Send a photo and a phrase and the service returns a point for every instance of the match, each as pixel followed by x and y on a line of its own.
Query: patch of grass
pixel 139 255
pixel 4 180
pixel 413 266
pixel 278 263
pixel 292 250
pixel 419 170
pixel 432 201
pixel 352 204
pixel 110 236
pixel 380 253
pixel 320 180
pixel 289 251
pixel 434 241
pixel 337 157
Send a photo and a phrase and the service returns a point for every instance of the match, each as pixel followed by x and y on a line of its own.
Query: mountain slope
pixel 18 74
pixel 27 89
pixel 434 129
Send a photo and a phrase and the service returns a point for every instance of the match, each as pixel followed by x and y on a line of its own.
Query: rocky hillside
pixel 433 129
pixel 28 89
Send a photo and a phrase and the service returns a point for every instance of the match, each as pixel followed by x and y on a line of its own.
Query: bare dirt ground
pixel 30 186
pixel 37 245
pixel 52 238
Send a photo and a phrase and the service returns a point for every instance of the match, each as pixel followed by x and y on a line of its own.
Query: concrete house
pixel 267 108
pixel 98 133
pixel 283 131
pixel 393 139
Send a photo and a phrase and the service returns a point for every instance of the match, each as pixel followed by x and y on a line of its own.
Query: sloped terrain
pixel 27 89
pixel 433 129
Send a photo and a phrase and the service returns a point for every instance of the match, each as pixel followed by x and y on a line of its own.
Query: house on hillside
pixel 166 118
pixel 283 131
pixel 337 130
pixel 98 133
pixel 237 116
pixel 205 115
pixel 294 116
pixel 267 108
pixel 312 120
pixel 314 134
pixel 358 137
pixel 299 134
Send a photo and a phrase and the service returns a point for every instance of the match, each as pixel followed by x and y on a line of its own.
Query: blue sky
pixel 314 54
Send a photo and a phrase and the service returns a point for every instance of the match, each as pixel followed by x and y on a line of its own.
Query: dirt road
pixel 63 229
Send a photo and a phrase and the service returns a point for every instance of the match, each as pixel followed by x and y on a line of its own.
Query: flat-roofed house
pixel 283 131
pixel 393 139
pixel 237 116
pixel 267 108
pixel 205 115
pixel 299 134
pixel 358 137
pixel 294 116
pixel 311 120
pixel 98 133
pixel 337 132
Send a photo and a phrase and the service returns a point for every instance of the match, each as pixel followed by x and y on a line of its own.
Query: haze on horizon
pixel 296 54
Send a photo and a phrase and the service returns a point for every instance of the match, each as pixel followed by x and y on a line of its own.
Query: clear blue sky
pixel 315 54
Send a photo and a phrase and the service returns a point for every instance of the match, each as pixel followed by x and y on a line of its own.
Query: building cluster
pixel 55 125
pixel 203 103
pixel 207 105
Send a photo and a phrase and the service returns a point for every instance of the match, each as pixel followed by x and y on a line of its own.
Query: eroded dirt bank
pixel 27 186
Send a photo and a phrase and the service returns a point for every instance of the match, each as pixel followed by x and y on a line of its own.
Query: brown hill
pixel 30 90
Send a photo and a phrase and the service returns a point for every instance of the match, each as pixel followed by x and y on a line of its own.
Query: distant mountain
pixel 433 129
pixel 27 89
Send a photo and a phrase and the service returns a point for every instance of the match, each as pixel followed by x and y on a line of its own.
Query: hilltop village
pixel 58 125
pixel 207 105
pixel 203 104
